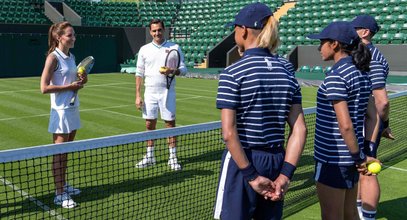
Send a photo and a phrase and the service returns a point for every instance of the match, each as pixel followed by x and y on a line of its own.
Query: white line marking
pixel 395 168
pixel 198 90
pixel 23 117
pixel 32 199
pixel 86 86
pixel 132 116
pixel 193 97
pixel 87 110
pixel 119 113
pixel 25 90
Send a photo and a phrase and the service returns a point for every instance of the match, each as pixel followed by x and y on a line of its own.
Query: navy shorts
pixel 342 177
pixel 236 199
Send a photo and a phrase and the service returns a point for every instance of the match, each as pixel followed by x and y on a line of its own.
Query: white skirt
pixel 64 121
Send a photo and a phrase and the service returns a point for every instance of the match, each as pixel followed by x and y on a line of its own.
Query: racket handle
pixel 73 98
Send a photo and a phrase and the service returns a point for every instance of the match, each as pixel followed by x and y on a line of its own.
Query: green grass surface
pixel 393 201
pixel 107 108
pixel 113 188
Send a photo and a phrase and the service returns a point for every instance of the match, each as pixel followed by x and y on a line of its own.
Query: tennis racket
pixel 172 61
pixel 86 65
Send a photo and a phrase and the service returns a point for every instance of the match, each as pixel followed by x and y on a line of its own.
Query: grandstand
pixel 199 26
pixel 113 31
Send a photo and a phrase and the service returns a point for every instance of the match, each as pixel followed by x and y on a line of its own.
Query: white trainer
pixel 146 161
pixel 64 200
pixel 71 191
pixel 173 163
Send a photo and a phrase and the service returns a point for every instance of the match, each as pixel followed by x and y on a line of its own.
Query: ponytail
pixel 55 31
pixel 361 55
pixel 268 37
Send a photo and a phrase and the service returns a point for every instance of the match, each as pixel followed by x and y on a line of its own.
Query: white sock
pixel 359 205
pixel 369 215
pixel 150 151
pixel 173 152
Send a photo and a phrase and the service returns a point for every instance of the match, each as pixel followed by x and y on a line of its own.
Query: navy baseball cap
pixel 341 31
pixel 366 21
pixel 252 16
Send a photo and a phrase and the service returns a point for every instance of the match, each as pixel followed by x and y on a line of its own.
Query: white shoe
pixel 64 200
pixel 173 163
pixel 145 162
pixel 71 191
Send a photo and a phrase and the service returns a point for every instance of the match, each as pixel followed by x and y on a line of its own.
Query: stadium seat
pixel 404 28
pixel 385 38
pixel 317 69
pixel 398 38
pixel 391 29
pixel 389 19
pixel 305 68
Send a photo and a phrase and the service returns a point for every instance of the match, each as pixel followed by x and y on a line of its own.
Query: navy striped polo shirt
pixel 379 68
pixel 261 90
pixel 288 65
pixel 343 82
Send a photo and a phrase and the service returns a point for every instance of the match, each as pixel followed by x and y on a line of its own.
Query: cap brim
pixel 315 36
pixel 358 26
pixel 230 24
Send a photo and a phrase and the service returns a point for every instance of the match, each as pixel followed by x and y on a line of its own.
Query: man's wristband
pixel 358 157
pixel 386 124
pixel 249 173
pixel 288 169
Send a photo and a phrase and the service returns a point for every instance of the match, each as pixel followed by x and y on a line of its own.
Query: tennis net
pixel 113 188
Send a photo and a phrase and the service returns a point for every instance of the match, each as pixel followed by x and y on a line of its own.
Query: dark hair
pixel 156 21
pixel 361 55
pixel 55 31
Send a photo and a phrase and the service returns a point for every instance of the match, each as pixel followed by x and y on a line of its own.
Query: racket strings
pixel 172 60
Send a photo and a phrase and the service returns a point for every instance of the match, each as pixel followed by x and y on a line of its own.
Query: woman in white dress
pixel 59 78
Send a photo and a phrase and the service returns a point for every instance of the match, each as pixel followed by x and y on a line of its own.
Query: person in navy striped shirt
pixel 257 96
pixel 377 117
pixel 342 101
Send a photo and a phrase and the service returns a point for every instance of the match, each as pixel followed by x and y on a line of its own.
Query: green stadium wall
pixel 23 47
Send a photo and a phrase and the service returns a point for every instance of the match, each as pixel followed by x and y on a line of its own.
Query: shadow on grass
pixel 102 191
pixel 215 155
pixel 395 209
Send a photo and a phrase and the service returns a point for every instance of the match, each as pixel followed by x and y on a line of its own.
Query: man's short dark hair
pixel 157 21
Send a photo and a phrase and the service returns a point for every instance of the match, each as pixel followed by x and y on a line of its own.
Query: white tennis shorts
pixel 64 121
pixel 159 99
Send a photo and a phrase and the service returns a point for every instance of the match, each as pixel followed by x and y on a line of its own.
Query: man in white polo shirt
pixel 157 97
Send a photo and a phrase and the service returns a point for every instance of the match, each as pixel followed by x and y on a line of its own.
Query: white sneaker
pixel 64 200
pixel 71 191
pixel 146 161
pixel 173 163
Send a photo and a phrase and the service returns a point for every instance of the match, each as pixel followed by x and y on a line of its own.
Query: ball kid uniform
pixel 261 90
pixel 334 164
pixel 64 118
pixel 288 65
pixel 379 70
pixel 156 95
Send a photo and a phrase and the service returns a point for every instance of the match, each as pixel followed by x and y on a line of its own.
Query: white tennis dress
pixel 64 118
pixel 156 95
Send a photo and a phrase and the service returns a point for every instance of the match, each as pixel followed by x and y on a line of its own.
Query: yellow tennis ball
pixel 374 167
pixel 81 70
pixel 163 69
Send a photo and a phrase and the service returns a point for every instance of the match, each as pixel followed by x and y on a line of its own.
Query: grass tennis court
pixel 107 108
pixel 393 201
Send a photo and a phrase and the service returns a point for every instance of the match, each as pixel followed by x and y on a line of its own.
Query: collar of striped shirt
pixel 369 45
pixel 257 51
pixel 342 61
